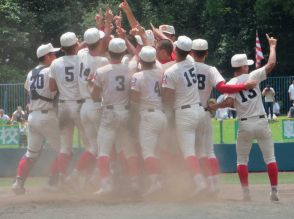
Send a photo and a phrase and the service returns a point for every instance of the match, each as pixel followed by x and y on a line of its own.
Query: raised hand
pixel 271 41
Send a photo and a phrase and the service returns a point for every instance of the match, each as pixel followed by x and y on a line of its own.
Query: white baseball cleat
pixel 274 195
pixel 200 185
pixel 154 188
pixel 18 186
pixel 246 194
pixel 105 188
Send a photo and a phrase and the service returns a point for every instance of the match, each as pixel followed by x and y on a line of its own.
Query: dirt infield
pixel 37 203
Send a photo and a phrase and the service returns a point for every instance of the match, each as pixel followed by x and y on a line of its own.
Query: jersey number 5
pixel 69 74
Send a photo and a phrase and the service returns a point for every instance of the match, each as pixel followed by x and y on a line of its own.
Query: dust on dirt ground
pixel 37 203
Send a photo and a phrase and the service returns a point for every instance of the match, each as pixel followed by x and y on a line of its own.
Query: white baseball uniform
pixel 114 80
pixel 208 77
pixel 182 77
pixel 65 70
pixel 90 111
pixel 42 121
pixel 252 120
pixel 152 119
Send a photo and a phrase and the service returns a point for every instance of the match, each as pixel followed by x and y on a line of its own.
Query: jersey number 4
pixel 250 94
pixel 191 78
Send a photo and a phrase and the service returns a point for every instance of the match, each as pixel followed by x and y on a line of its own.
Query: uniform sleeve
pixel 258 75
pixel 27 85
pixel 98 79
pixel 215 76
pixel 135 83
pixel 232 95
pixel 168 80
pixel 51 71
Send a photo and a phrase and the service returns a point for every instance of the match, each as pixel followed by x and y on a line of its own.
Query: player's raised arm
pixel 124 6
pixel 271 63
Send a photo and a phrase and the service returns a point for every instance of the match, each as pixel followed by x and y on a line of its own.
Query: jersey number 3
pixel 121 83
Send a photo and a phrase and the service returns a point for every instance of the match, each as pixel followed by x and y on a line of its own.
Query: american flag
pixel 258 52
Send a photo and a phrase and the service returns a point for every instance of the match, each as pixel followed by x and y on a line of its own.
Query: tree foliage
pixel 228 25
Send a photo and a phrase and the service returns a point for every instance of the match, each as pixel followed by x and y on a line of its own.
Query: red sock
pixel 54 167
pixel 85 162
pixel 192 164
pixel 133 166
pixel 103 165
pixel 272 170
pixel 63 162
pixel 214 166
pixel 152 166
pixel 243 175
pixel 204 166
pixel 23 168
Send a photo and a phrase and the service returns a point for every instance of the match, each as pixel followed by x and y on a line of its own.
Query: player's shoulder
pixel 138 75
pixel 83 52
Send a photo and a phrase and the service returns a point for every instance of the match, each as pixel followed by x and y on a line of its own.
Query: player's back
pixel 65 71
pixel 182 77
pixel 147 82
pixel 248 103
pixel 114 79
pixel 208 77
pixel 88 65
pixel 39 83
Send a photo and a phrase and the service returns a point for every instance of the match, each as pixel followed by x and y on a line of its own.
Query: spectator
pixel 4 119
pixel 18 115
pixel 269 98
pixel 291 111
pixel 291 92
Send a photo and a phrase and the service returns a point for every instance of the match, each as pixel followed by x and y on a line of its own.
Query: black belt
pixel 78 101
pixel 185 106
pixel 151 110
pixel 262 116
pixel 112 107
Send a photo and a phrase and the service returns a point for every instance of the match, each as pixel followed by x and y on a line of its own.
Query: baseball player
pixel 209 77
pixel 181 93
pixel 253 123
pixel 64 74
pixel 146 98
pixel 90 110
pixel 42 121
pixel 164 50
pixel 112 84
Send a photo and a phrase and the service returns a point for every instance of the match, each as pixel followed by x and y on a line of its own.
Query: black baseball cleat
pixel 18 186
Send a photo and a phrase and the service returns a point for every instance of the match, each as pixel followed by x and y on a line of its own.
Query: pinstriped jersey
pixel 147 83
pixel 88 65
pixel 182 77
pixel 208 77
pixel 41 85
pixel 248 103
pixel 114 80
pixel 65 71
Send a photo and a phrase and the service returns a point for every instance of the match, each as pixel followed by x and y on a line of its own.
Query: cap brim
pixel 164 31
pixel 250 62
pixel 56 50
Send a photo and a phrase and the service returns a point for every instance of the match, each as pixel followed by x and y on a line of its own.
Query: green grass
pixel 258 178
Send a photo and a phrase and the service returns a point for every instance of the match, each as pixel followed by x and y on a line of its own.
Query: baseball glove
pixel 210 102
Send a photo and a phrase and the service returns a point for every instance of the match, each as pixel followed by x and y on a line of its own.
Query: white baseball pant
pixel 42 125
pixel 254 128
